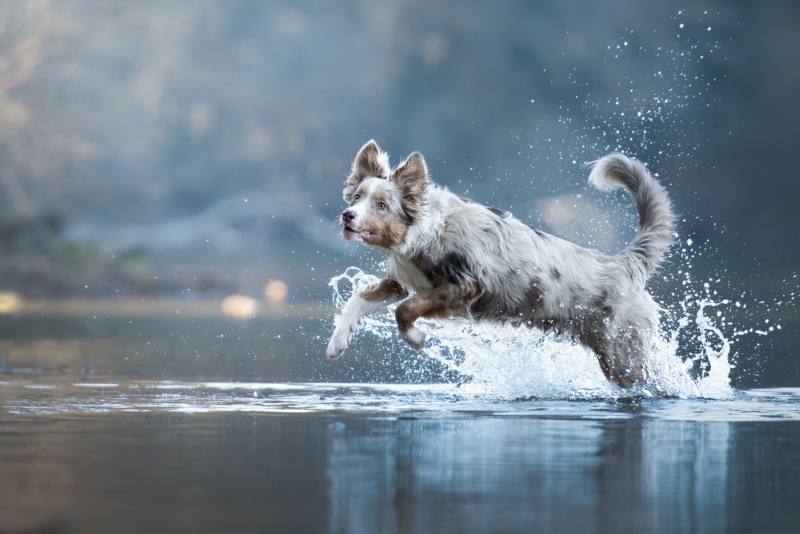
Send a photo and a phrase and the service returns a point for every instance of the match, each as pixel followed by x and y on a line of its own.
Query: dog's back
pixel 525 268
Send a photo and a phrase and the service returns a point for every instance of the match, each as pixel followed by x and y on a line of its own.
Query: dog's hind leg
pixel 388 291
pixel 442 302
pixel 597 341
pixel 627 362
pixel 621 358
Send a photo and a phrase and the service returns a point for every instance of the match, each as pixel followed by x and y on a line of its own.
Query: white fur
pixel 361 207
pixel 414 337
pixel 346 325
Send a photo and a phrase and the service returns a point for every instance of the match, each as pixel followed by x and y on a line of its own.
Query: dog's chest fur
pixel 408 274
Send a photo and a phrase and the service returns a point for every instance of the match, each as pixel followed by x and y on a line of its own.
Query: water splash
pixel 691 357
pixel 647 95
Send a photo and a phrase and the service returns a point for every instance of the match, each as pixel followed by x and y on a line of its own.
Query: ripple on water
pixel 381 400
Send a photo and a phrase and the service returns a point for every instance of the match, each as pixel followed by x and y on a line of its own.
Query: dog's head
pixel 383 203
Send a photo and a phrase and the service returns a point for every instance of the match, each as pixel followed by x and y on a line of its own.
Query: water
pixel 161 456
pixel 58 396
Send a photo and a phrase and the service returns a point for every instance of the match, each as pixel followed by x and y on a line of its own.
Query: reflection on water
pixel 548 475
pixel 474 474
pixel 133 456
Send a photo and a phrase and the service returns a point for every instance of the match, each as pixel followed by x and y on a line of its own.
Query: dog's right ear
pixel 411 178
pixel 370 161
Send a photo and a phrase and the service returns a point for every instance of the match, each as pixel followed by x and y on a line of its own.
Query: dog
pixel 460 258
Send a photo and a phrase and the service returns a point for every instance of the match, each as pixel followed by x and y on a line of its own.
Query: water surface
pixel 161 456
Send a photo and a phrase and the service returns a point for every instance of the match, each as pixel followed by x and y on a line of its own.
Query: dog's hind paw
pixel 414 337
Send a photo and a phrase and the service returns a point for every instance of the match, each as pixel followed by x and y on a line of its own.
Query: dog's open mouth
pixel 363 235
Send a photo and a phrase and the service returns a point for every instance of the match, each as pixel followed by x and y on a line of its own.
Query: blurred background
pixel 182 158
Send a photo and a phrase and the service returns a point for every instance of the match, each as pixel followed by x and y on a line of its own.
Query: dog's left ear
pixel 411 177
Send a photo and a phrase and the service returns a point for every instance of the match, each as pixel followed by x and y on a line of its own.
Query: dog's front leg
pixel 388 291
pixel 442 302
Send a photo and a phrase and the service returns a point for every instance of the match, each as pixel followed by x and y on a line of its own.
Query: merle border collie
pixel 459 258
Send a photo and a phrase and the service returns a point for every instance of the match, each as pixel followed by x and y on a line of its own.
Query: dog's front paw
pixel 340 338
pixel 339 341
pixel 414 337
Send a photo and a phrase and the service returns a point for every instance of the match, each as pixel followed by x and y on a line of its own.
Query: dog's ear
pixel 370 161
pixel 411 178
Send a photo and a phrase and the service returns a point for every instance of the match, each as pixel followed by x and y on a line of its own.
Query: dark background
pixel 178 147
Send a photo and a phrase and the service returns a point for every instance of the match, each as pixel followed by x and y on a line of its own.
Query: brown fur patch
pixel 442 302
pixel 387 290
pixel 389 232
pixel 394 233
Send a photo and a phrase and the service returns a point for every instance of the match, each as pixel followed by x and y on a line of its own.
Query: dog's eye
pixel 356 197
pixel 381 205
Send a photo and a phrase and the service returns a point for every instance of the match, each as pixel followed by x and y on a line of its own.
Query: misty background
pixel 199 147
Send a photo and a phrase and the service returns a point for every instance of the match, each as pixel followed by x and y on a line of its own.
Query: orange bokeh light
pixel 239 307
pixel 277 291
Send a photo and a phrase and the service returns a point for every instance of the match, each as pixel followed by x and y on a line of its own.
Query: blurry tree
pixel 21 47
pixel 213 135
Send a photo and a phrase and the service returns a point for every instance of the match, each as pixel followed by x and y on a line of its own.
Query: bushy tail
pixel 656 220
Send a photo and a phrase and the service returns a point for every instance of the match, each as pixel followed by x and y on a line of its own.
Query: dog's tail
pixel 656 220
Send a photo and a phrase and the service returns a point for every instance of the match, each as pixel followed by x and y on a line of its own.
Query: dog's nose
pixel 348 216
